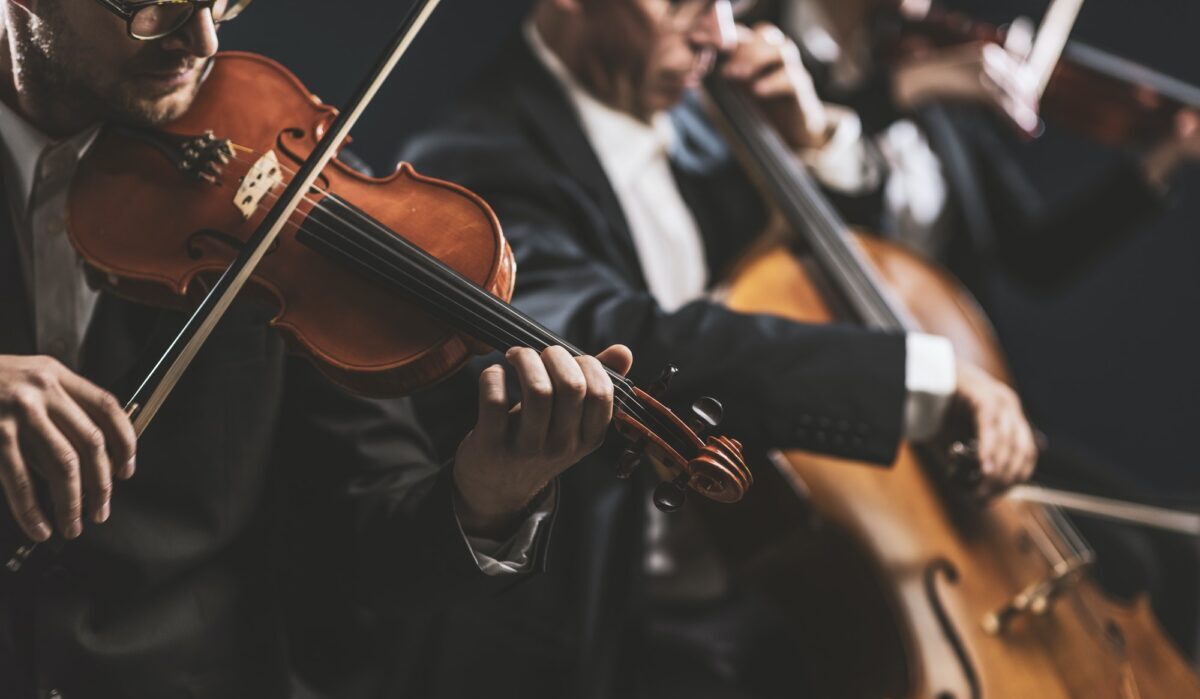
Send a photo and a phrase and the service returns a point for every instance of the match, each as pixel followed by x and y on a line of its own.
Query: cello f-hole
pixel 945 570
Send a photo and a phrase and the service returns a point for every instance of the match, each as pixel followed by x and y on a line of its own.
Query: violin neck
pixel 807 210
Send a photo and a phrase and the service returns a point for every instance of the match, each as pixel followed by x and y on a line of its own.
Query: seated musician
pixel 624 206
pixel 167 588
pixel 944 155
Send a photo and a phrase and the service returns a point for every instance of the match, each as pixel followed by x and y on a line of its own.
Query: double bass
pixel 907 588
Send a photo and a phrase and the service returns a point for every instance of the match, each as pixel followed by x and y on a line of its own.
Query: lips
pixel 170 76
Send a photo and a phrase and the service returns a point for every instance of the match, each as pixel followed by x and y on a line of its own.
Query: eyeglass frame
pixel 125 12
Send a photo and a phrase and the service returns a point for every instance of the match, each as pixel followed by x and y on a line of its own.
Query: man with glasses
pixel 168 583
pixel 623 206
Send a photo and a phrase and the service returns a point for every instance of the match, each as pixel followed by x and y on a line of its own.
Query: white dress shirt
pixel 38 173
pixel 636 157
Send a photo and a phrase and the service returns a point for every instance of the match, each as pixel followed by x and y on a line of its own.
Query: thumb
pixel 618 358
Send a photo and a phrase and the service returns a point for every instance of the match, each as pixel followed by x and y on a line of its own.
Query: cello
pixel 922 593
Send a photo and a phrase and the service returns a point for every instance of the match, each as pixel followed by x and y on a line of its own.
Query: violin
pixel 1101 96
pixel 386 285
pixel 920 591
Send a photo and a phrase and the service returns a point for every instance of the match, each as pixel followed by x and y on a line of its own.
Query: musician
pixel 940 151
pixel 624 206
pixel 167 588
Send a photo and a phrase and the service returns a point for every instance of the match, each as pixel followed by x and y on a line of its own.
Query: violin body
pixel 912 573
pixel 372 343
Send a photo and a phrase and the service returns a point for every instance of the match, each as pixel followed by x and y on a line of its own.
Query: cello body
pixel 915 574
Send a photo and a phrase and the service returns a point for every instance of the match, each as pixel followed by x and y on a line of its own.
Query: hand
pixel 768 63
pixel 1007 449
pixel 982 73
pixel 509 457
pixel 64 428
pixel 1183 144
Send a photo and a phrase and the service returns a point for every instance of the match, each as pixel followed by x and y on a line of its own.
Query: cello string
pixel 828 235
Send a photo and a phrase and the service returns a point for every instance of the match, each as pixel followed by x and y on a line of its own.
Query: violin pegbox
pixel 712 466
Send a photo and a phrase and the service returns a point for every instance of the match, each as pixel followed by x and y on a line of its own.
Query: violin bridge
pixel 261 179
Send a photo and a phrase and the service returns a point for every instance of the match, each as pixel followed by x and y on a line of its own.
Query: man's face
pixel 84 53
pixel 646 54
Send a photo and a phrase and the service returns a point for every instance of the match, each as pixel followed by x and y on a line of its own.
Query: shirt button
pixel 54 694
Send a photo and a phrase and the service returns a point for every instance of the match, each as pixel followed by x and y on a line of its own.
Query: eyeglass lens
pixel 159 19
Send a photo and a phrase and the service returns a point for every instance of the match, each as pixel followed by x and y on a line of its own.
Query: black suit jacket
pixel 185 591
pixel 516 141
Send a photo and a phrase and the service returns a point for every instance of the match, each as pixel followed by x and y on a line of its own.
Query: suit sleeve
pixel 368 498
pixel 836 389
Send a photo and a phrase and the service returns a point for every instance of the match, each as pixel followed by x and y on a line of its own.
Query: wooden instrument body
pixel 360 336
pixel 903 615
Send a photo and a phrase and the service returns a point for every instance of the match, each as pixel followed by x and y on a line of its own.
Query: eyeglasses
pixel 684 15
pixel 154 19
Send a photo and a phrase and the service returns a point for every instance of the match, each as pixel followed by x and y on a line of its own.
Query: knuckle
pixel 574 388
pixel 110 404
pixel 43 374
pixel 22 491
pixel 104 490
pixel 94 440
pixel 8 434
pixel 67 461
pixel 27 400
pixel 541 391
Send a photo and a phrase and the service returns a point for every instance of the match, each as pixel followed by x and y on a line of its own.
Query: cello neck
pixel 807 210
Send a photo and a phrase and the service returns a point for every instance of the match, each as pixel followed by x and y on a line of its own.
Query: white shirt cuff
pixel 931 380
pixel 516 554
pixel 844 163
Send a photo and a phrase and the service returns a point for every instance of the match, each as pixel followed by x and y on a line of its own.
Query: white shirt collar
pixel 25 145
pixel 624 144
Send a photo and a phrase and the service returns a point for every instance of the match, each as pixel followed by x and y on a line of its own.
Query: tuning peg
pixel 669 496
pixel 707 412
pixel 663 382
pixel 628 461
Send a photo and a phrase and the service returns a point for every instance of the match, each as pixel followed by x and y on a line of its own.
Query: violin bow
pixel 1051 40
pixel 162 379
pixel 153 392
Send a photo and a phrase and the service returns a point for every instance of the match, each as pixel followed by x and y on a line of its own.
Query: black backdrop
pixel 1110 363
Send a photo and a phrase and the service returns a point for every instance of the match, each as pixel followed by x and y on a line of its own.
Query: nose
pixel 198 37
pixel 716 28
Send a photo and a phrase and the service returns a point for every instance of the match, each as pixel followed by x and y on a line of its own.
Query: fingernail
pixel 75 529
pixel 102 515
pixel 41 532
pixel 128 469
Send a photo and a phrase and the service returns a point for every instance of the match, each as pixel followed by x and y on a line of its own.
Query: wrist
pixel 490 510
pixel 1159 164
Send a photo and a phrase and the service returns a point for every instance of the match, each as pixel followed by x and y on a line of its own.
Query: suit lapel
pixel 557 127
pixel 16 321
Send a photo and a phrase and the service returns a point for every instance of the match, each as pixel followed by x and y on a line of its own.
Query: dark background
pixel 1109 365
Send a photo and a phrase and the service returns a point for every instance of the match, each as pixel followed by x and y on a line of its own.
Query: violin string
pixel 629 401
pixel 512 334
pixel 632 404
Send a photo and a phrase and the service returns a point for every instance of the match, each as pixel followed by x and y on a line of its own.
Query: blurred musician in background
pixel 624 206
pixel 940 134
